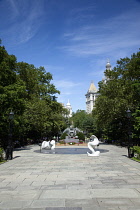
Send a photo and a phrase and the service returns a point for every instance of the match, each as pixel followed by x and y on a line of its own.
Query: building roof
pixel 92 88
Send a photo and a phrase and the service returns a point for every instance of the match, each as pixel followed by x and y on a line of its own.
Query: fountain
pixel 72 134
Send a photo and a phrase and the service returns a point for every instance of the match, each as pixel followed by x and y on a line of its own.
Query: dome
pixel 108 65
pixel 69 108
pixel 68 104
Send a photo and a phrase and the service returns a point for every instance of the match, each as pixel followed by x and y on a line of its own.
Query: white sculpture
pixel 48 145
pixel 91 145
pixel 52 144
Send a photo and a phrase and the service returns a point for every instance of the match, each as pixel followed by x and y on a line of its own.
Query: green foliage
pixel 83 121
pixel 81 136
pixel 63 136
pixel 120 92
pixel 136 116
pixel 133 158
pixel 62 142
pixel 7 68
pixel 37 80
pixel 78 118
pixel 136 151
pixel 1 154
pixel 27 91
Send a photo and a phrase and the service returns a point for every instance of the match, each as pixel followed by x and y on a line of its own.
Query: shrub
pixel 81 136
pixel 63 136
pixel 80 141
pixel 1 155
pixel 136 150
pixel 62 142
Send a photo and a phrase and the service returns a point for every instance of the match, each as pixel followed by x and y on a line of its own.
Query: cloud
pixel 66 84
pixel 52 68
pixel 68 90
pixel 112 35
pixel 14 8
pixel 81 14
pixel 25 20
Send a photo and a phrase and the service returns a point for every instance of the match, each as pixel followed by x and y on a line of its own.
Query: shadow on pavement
pixel 16 157
pixel 23 148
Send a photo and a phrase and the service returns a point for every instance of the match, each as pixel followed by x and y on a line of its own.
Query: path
pixel 39 181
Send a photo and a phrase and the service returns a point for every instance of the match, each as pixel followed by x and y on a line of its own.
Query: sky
pixel 72 39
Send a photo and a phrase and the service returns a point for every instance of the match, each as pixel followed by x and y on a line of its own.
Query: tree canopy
pixel 84 121
pixel 29 93
pixel 120 92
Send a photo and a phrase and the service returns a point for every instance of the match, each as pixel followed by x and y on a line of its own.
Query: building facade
pixel 69 108
pixel 92 92
pixel 91 98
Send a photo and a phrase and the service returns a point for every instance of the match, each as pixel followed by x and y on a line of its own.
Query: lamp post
pixel 9 151
pixel 129 131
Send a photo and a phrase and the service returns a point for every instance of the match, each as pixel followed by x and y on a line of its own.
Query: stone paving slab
pixel 82 194
pixel 82 202
pixel 70 181
pixel 112 202
pixel 48 203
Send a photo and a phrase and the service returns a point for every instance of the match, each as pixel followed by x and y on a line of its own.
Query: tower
pixel 90 98
pixel 108 68
pixel 108 65
pixel 69 108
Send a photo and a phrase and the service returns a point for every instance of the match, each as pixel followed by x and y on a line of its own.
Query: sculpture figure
pixel 52 143
pixel 71 131
pixel 48 145
pixel 91 145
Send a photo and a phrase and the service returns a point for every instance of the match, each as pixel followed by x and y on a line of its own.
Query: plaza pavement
pixel 70 180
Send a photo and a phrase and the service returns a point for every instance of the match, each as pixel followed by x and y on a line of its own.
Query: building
pixel 108 67
pixel 69 108
pixel 92 92
pixel 90 98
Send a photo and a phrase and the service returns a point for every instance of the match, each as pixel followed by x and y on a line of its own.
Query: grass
pixel 2 161
pixel 133 158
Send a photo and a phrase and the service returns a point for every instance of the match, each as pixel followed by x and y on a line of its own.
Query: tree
pixel 12 92
pixel 120 92
pixel 37 80
pixel 27 91
pixel 83 121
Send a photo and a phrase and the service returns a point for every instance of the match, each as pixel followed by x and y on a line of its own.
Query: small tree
pixel 63 136
pixel 81 136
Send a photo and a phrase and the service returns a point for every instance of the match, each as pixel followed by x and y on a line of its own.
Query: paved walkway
pixel 70 180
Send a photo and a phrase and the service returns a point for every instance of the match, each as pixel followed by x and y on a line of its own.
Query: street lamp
pixel 129 132
pixel 9 151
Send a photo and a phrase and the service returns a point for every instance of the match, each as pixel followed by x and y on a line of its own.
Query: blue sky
pixel 72 39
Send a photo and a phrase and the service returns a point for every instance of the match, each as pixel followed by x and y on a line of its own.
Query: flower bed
pixel 71 143
pixel 62 142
